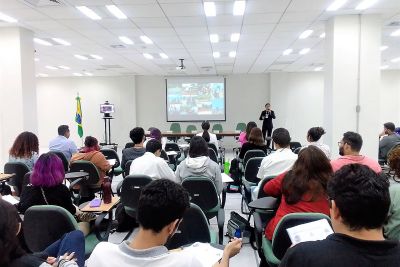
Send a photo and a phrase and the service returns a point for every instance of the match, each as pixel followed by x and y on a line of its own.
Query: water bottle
pixel 238 233
pixel 107 191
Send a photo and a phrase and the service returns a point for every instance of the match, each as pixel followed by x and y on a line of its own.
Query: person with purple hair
pixel 46 188
pixel 155 133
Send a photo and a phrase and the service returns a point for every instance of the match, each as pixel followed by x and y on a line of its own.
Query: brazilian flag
pixel 78 116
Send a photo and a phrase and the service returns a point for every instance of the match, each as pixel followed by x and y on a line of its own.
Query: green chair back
pixel 217 127
pixel 241 126
pixel 175 127
pixel 190 128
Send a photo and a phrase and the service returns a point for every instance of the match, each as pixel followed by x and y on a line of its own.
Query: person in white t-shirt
pixel 209 137
pixel 151 164
pixel 279 161
pixel 161 206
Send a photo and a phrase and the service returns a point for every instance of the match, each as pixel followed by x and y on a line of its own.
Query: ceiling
pixel 180 29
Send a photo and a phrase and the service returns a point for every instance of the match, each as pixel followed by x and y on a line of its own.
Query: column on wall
pixel 17 86
pixel 352 79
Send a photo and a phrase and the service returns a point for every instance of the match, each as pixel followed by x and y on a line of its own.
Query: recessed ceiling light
pixel 61 41
pixel 7 18
pixel 209 9
pixel 36 59
pixel 116 12
pixel 322 35
pixel 214 38
pixel 126 40
pixel 51 68
pixel 42 42
pixel 88 12
pixel 305 34
pixel 88 73
pixel 148 56
pixel 304 51
pixel 146 39
pixel 384 67
pixel 77 74
pixel 365 4
pixel 395 60
pixel 96 57
pixel 287 52
pixel 232 54
pixel 163 55
pixel 81 57
pixel 336 5
pixel 395 33
pixel 383 47
pixel 64 67
pixel 216 54
pixel 318 68
pixel 238 8
pixel 42 75
pixel 235 37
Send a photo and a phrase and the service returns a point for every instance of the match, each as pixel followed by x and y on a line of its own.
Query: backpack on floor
pixel 239 227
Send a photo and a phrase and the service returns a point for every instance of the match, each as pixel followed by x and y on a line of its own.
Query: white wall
pixel 297 99
pixel 246 96
pixel 57 105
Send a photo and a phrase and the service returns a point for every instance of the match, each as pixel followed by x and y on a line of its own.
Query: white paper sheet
pixel 317 230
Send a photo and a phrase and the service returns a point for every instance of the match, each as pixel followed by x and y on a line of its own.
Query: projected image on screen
pixel 194 100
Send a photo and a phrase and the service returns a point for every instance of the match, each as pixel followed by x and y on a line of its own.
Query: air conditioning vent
pixel 118 46
pixel 44 3
pixel 394 24
pixel 112 66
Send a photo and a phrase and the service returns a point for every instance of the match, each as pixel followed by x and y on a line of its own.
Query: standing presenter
pixel 266 116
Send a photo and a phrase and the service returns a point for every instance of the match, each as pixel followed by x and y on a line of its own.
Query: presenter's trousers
pixel 267 131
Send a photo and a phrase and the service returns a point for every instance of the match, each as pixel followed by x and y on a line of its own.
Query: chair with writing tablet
pixel 19 170
pixel 204 194
pixel 112 154
pixel 186 234
pixel 249 180
pixel 63 159
pixel 272 251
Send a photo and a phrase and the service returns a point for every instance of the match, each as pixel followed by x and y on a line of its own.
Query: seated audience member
pixel 63 143
pixel 162 204
pixel 25 149
pixel 244 136
pixel 137 136
pixel 198 163
pixel 69 251
pixel 279 161
pixel 392 226
pixel 349 151
pixel 256 141
pixel 46 188
pixel 359 203
pixel 303 188
pixel 91 152
pixel 155 133
pixel 314 139
pixel 209 137
pixel 151 164
pixel 389 140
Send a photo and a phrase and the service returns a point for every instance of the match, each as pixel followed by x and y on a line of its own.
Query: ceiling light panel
pixel 304 51
pixel 88 12
pixel 42 42
pixel 232 54
pixel 214 38
pixel 216 54
pixel 239 8
pixel 81 57
pixel 287 52
pixel 235 37
pixel 396 33
pixel 336 5
pixel 116 12
pixel 163 56
pixel 148 56
pixel 61 41
pixel 209 9
pixel 146 39
pixel 126 40
pixel 366 4
pixel 7 18
pixel 305 34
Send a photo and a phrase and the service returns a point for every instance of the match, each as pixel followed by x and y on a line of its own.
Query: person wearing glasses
pixel 349 151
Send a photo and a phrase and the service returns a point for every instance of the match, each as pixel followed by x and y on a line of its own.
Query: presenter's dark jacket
pixel 267 121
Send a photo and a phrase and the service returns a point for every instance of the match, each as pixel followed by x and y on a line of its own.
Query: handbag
pixel 239 227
